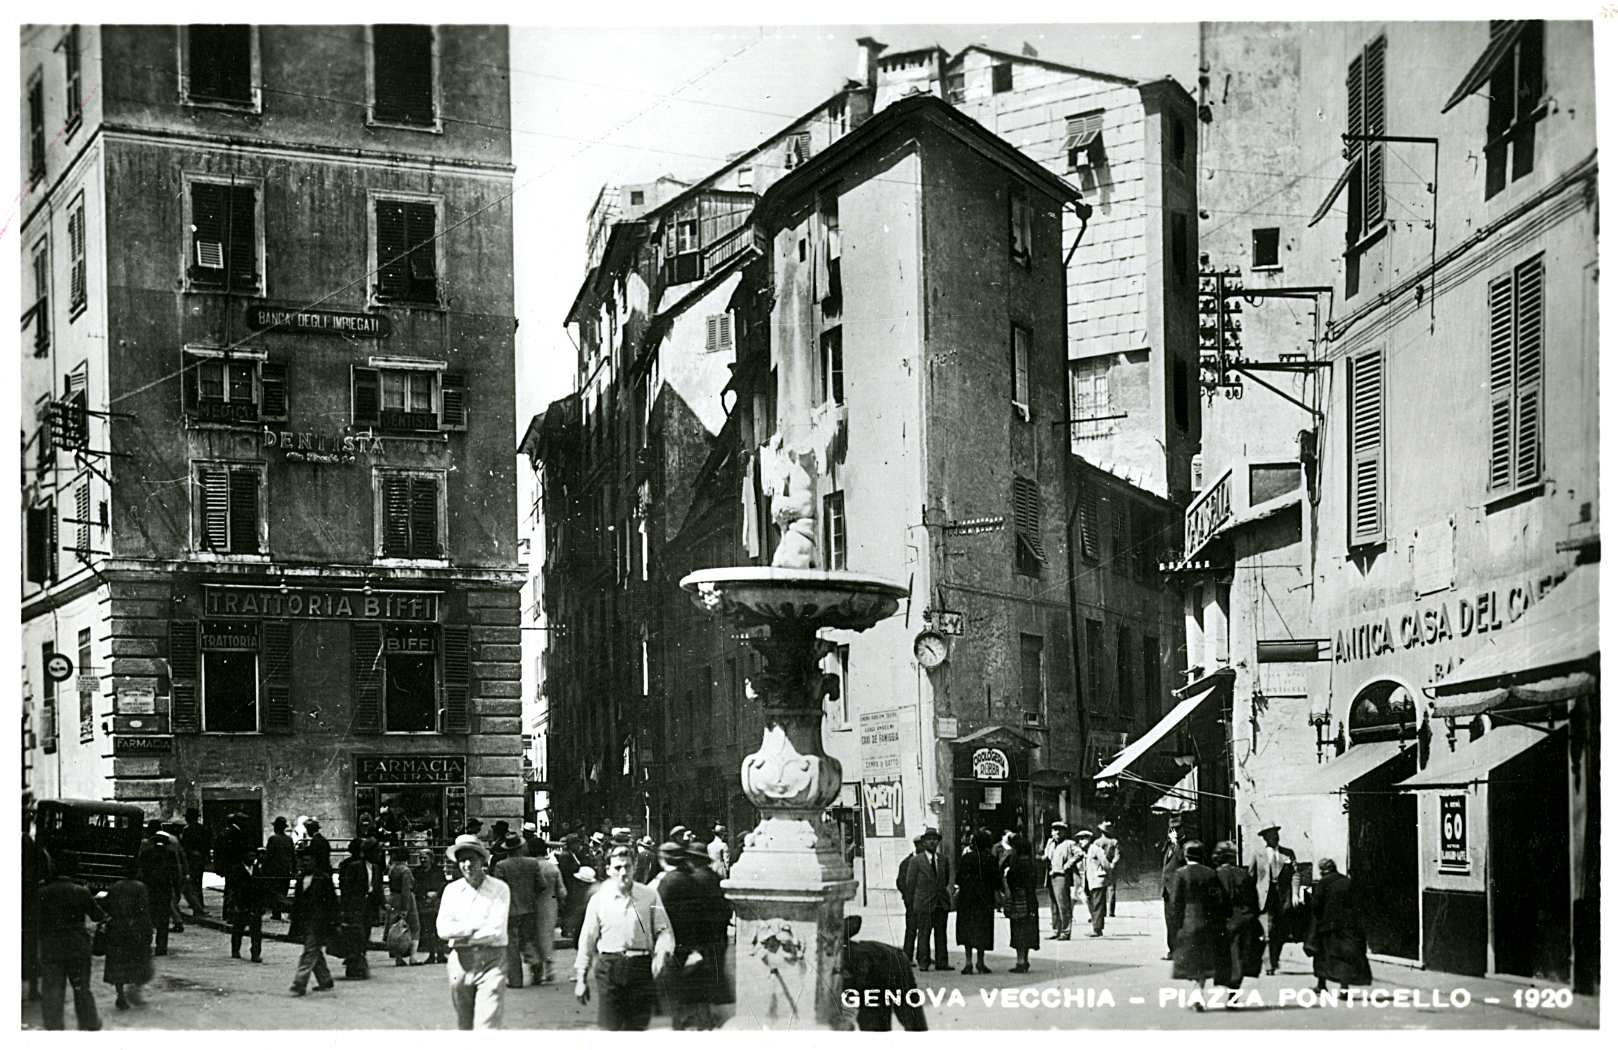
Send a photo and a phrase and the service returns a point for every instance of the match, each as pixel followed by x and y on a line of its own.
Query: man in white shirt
pixel 719 852
pixel 626 934
pixel 472 917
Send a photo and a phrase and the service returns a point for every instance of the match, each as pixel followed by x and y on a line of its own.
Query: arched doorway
pixel 1382 822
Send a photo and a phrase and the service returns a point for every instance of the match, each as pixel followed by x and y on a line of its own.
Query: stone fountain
pixel 790 882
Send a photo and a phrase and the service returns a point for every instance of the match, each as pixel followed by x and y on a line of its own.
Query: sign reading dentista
pixel 321 603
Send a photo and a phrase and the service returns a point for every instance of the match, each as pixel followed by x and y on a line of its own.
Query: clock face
pixel 931 649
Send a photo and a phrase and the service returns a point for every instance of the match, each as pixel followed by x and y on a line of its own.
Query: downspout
pixel 1073 640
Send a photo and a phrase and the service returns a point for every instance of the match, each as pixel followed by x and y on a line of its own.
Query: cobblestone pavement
pixel 1118 981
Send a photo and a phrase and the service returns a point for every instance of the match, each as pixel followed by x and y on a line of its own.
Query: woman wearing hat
pixel 1197 913
pixel 1023 879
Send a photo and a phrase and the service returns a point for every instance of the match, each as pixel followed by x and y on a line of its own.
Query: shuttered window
pixel 407 251
pixel 40 549
pixel 1089 525
pixel 1516 376
pixel 221 63
pixel 71 68
pixel 1367 115
pixel 367 641
pixel 81 521
pixel 718 333
pixel 1515 89
pixel 1022 228
pixel 228 522
pixel 36 129
pixel 1366 437
pixel 457 678
pixel 410 516
pixel 185 715
pixel 836 526
pixel 224 236
pixel 402 60
pixel 75 253
pixel 409 399
pixel 1025 510
pixel 40 312
pixel 276 666
pixel 1020 391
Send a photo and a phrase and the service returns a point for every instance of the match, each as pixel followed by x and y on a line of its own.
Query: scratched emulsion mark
pixel 16 202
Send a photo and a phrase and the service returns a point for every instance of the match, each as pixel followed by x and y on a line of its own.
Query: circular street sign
pixel 58 668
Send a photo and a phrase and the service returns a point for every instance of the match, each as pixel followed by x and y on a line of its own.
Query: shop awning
pixel 1539 655
pixel 1345 768
pixel 1181 798
pixel 1472 763
pixel 1167 724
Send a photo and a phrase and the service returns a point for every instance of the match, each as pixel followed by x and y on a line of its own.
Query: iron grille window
pixel 229 517
pixel 402 57
pixel 410 526
pixel 1366 447
pixel 1025 507
pixel 407 251
pixel 1516 376
pixel 221 63
pixel 224 236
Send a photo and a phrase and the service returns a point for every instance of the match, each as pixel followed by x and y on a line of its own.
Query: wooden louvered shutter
pixel 424 518
pixel 207 262
pixel 1530 295
pixel 188 380
pixel 421 223
pixel 244 511
pixel 392 261
pixel 452 397
pixel 1500 382
pixel 457 678
pixel 1025 504
pixel 241 241
pixel 396 517
pixel 1089 524
pixel 215 487
pixel 276 641
pixel 75 238
pixel 367 397
pixel 220 62
pixel 185 714
pixel 1376 123
pixel 272 382
pixel 403 60
pixel 367 639
pixel 1366 472
pixel 54 561
pixel 81 511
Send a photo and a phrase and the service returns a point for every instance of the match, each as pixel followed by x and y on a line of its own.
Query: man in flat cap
pixel 473 918
pixel 1062 857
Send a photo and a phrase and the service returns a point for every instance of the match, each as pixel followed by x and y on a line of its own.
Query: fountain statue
pixel 790 882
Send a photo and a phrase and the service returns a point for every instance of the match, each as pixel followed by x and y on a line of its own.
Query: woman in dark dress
pixel 1244 937
pixel 129 939
pixel 977 886
pixel 1338 939
pixel 1197 912
pixel 1023 880
pixel 429 890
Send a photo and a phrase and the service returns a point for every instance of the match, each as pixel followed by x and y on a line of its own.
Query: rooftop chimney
pixel 865 65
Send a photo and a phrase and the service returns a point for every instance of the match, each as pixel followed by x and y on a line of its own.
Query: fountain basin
pixel 818 597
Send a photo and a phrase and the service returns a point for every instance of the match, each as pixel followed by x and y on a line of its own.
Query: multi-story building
pixel 1395 559
pixel 269 496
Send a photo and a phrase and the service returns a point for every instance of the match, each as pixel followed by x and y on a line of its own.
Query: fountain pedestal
pixel 790 882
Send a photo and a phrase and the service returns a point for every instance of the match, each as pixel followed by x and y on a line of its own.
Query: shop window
pixel 1022 227
pixel 410 679
pixel 1025 508
pixel 1032 648
pixel 836 528
pixel 1516 374
pixel 415 398
pixel 224 247
pixel 406 252
pixel 219 63
pixel 226 389
pixel 1001 78
pixel 229 654
pixel 404 81
pixel 409 509
pixel 228 501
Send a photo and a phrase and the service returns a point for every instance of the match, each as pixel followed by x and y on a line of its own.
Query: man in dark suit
pixel 314 920
pixel 903 883
pixel 929 884
pixel 1273 869
pixel 359 888
pixel 196 839
pixel 1173 861
pixel 280 864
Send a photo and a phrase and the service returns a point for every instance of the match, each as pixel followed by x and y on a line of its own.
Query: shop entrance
pixel 1382 857
pixel 1528 863
pixel 418 801
pixel 216 813
pixel 990 785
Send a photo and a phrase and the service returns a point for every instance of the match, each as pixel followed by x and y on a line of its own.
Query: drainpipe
pixel 1073 639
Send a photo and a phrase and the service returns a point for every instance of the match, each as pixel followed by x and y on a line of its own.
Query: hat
pixel 719 828
pixel 648 842
pixel 672 851
pixel 1084 833
pixel 585 873
pixel 678 830
pixel 278 822
pixel 931 833
pixel 311 822
pixel 512 841
pixel 465 842
pixel 1104 825
pixel 1269 828
pixel 622 835
pixel 1058 824
pixel 168 835
pixel 529 825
